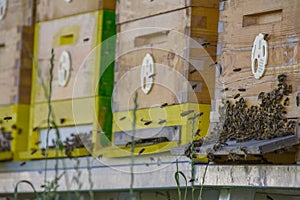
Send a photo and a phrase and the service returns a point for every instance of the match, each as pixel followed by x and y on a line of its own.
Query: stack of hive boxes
pixel 241 22
pixel 258 52
pixel 16 47
pixel 71 68
pixel 164 51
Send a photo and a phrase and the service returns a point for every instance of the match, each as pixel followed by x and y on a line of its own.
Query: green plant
pixel 135 100
pixel 76 178
pixel 89 168
pixel 202 184
pixel 50 187
pixel 30 184
pixel 176 176
pixel 192 157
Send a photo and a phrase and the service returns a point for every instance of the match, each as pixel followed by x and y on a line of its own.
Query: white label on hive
pixel 259 56
pixel 64 67
pixel 68 1
pixel 3 5
pixel 147 73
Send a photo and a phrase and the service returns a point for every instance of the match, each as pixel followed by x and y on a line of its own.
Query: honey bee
pixel 286 101
pixel 7 118
pixel 185 113
pixel 152 75
pixel 122 118
pixel 62 120
pixel 194 86
pixel 141 151
pixel 33 151
pixel 13 126
pixel 237 69
pixel 163 105
pixel 162 121
pixel 148 123
pixel 193 71
pixel 242 89
pixel 237 96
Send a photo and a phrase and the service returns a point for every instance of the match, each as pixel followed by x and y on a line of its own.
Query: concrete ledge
pixel 150 173
pixel 279 176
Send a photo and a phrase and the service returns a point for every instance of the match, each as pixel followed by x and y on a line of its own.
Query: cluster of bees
pixel 80 140
pixel 264 121
pixel 77 141
pixel 6 137
pixel 5 141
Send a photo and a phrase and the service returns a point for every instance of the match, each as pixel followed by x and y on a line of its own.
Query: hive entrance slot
pixel 152 38
pixel 67 39
pixel 262 18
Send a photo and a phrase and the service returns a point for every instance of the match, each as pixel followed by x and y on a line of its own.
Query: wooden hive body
pixel 16 47
pixel 54 9
pixel 17 13
pixel 181 38
pixel 82 103
pixel 174 41
pixel 16 64
pixel 79 36
pixel 240 22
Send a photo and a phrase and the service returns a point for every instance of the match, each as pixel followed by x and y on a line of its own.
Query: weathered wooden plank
pixel 18 13
pixel 182 68
pixel 137 9
pixel 252 147
pixel 243 20
pixel 54 9
pixel 16 64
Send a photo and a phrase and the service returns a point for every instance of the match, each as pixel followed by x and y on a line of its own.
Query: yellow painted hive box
pixel 14 131
pixel 167 59
pixel 81 81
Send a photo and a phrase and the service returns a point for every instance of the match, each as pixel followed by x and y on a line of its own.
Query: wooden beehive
pixel 77 36
pixel 80 100
pixel 136 9
pixel 240 23
pixel 16 46
pixel 16 13
pixel 14 131
pixel 179 41
pixel 257 85
pixel 84 118
pixel 16 52
pixel 54 9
